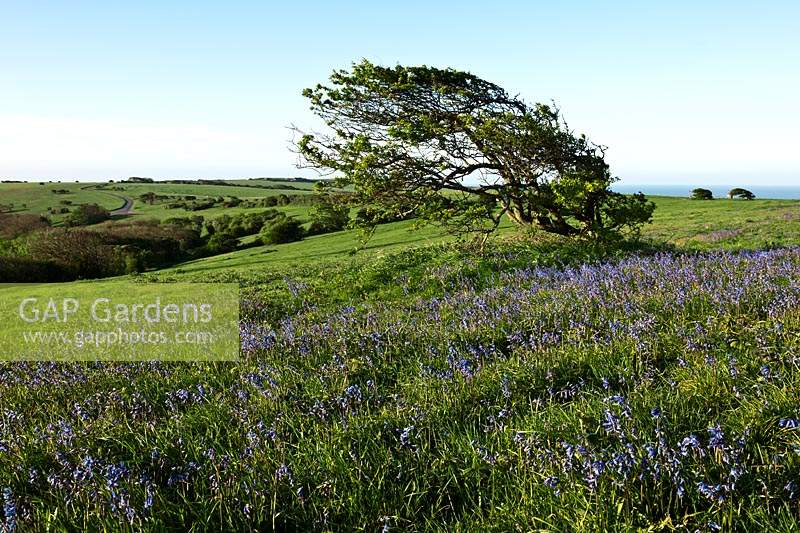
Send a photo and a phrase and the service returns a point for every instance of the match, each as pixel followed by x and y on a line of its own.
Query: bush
pixel 27 270
pixel 87 214
pixel 281 231
pixel 134 263
pixel 78 253
pixel 221 243
pixel 12 226
pixel 328 217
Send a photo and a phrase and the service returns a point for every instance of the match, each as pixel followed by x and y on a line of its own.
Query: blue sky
pixel 678 91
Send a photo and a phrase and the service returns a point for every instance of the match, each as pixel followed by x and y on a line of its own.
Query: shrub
pixel 134 263
pixel 77 252
pixel 281 230
pixel 28 270
pixel 12 226
pixel 221 243
pixel 87 214
pixel 327 217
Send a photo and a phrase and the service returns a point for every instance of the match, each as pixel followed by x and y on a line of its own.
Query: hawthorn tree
pixel 738 192
pixel 702 194
pixel 447 146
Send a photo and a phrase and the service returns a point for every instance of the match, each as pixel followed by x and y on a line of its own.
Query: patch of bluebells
pixel 456 341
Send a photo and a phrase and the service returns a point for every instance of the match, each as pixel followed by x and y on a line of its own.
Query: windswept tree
pixel 738 192
pixel 702 194
pixel 450 147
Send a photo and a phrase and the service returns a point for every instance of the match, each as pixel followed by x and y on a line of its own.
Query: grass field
pixel 686 224
pixel 420 385
pixel 110 196
pixel 35 198
pixel 244 191
pixel 722 223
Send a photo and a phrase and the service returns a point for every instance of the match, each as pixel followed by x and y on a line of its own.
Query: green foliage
pixel 738 192
pixel 328 215
pixel 195 223
pixel 409 140
pixel 241 224
pixel 702 194
pixel 134 263
pixel 221 243
pixel 281 230
pixel 87 214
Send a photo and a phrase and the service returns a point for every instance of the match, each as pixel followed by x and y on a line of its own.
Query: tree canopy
pixel 738 192
pixel 450 147
pixel 87 214
pixel 702 194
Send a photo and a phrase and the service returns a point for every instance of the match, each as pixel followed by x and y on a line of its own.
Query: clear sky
pixel 677 90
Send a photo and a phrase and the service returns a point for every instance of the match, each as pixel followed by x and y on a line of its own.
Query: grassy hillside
pixel 247 189
pixel 494 392
pixel 418 385
pixel 35 198
pixel 723 223
pixel 158 211
pixel 686 224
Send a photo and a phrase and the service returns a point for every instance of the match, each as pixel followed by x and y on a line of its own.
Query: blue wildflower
pixel 552 482
pixel 405 437
pixel 9 510
pixel 716 437
pixel 611 422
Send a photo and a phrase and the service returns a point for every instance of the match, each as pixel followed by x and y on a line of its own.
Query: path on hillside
pixel 126 208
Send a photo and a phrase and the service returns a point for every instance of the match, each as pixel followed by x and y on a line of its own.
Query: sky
pixel 678 91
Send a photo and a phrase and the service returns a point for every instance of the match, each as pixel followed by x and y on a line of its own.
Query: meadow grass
pixel 723 223
pixel 681 223
pixel 541 384
pixel 204 190
pixel 506 391
pixel 37 199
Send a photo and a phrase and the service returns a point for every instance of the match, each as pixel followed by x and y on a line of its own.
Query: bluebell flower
pixel 611 422
pixel 148 501
pixel 284 472
pixel 712 492
pixel 716 437
pixel 9 510
pixel 405 437
pixel 691 443
pixel 552 482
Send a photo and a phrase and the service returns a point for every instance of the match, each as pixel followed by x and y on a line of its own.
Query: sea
pixel 720 191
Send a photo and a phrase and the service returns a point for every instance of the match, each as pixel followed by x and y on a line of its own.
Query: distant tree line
pixel 194 203
pixel 226 183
